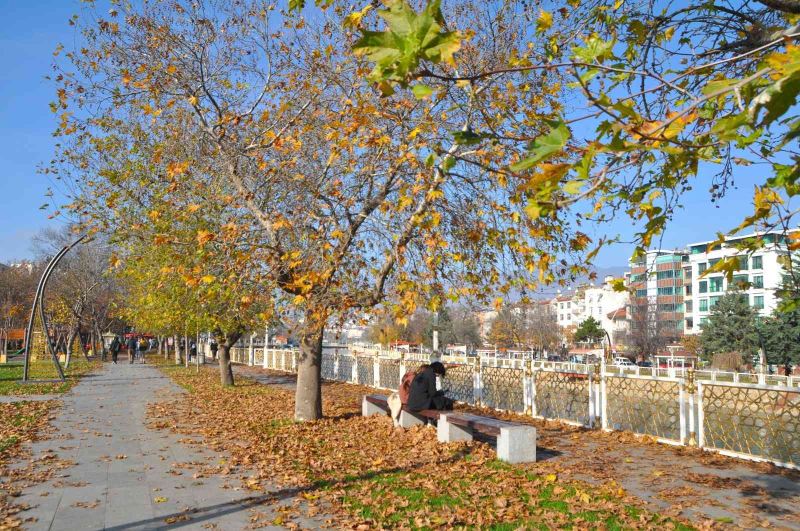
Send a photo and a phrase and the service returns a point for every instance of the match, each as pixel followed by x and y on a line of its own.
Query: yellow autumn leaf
pixel 544 22
pixel 208 279
pixel 204 236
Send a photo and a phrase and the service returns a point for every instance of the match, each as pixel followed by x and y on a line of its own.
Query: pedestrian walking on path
pixel 114 347
pixel 131 349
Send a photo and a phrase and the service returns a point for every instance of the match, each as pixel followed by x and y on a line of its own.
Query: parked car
pixel 644 363
pixel 623 362
pixel 576 358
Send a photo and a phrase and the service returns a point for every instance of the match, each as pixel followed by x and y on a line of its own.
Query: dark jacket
pixel 132 344
pixel 423 390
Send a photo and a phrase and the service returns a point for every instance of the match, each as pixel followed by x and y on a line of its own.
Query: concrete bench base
pixel 516 443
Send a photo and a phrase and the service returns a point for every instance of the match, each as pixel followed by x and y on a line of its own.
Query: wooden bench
pixel 516 442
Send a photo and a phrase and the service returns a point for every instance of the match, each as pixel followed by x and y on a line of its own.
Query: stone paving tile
pixel 124 473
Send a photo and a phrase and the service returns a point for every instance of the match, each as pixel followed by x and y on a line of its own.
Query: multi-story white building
pixel 599 302
pixel 758 276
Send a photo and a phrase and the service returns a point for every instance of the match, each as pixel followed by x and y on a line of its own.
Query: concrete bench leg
pixel 408 419
pixel 447 432
pixel 369 409
pixel 517 444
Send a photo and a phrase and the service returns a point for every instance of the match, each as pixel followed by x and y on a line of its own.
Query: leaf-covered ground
pixel 21 423
pixel 372 476
pixel 11 374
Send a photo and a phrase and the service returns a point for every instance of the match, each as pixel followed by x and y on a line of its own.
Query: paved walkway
pixel 127 476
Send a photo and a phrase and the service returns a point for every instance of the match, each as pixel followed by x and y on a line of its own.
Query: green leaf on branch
pixel 776 99
pixel 411 37
pixel 467 138
pixel 545 146
pixel 594 50
pixel 421 91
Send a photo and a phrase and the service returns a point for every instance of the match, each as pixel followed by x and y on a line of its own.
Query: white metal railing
pixel 756 421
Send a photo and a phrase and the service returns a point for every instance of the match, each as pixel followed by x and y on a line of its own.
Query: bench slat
pixel 485 425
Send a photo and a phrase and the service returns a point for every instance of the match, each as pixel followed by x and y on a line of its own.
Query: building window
pixel 689 307
pixel 703 321
pixel 715 284
pixel 758 281
pixel 688 290
pixel 713 301
pixel 641 293
pixel 713 262
pixel 666 291
pixel 701 267
pixel 703 305
pixel 703 286
pixel 739 281
pixel 742 262
pixel 758 302
pixel 758 262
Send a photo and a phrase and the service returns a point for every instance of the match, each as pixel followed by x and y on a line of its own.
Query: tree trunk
pixel 160 350
pixel 99 338
pixel 308 395
pixel 177 350
pixel 225 369
pixel 186 348
pixel 70 341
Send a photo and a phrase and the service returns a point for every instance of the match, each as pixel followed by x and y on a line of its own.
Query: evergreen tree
pixel 589 330
pixel 731 327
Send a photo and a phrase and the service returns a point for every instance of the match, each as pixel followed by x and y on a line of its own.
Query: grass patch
pixel 11 375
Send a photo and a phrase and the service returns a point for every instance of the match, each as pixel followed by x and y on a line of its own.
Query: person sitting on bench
pixel 423 393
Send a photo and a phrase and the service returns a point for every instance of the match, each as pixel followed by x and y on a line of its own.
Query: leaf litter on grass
pixel 367 473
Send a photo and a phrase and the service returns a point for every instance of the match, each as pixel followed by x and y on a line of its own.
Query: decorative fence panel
pixel 413 365
pixel 459 383
pixel 750 420
pixel 329 366
pixel 346 362
pixel 288 358
pixel 503 388
pixel 389 373
pixel 365 370
pixel 562 395
pixel 259 352
pixel 644 405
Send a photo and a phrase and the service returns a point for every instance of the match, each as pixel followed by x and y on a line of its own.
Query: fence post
pixel 527 386
pixel 701 438
pixel 402 365
pixel 354 370
pixel 376 372
pixel 692 389
pixel 592 375
pixel 603 402
pixel 683 405
pixel 264 361
pixel 336 364
pixel 251 354
pixel 295 354
pixel 477 383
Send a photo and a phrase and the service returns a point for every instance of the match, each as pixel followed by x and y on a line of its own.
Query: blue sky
pixel 31 30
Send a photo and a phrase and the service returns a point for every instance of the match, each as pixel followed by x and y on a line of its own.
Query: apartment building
pixel 758 275
pixel 600 302
pixel 657 285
